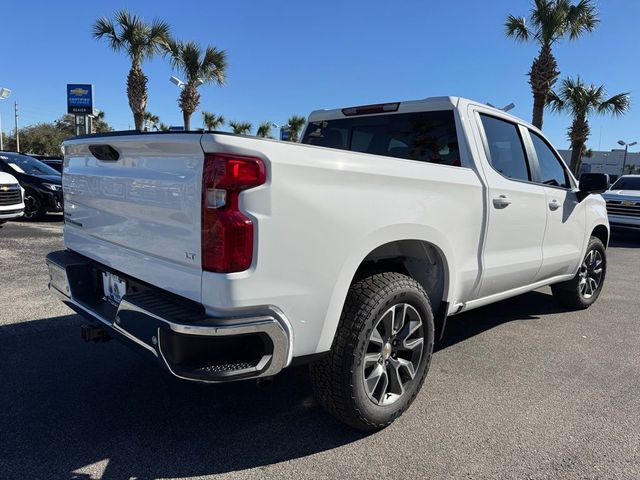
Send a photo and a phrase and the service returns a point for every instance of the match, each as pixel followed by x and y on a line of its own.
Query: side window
pixel 323 135
pixel 553 173
pixel 506 151
pixel 422 136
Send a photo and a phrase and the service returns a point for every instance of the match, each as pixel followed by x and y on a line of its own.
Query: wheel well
pixel 602 233
pixel 418 259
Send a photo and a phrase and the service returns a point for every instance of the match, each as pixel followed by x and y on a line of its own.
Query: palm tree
pixel 551 21
pixel 163 127
pixel 99 123
pixel 582 100
pixel 294 125
pixel 150 121
pixel 212 121
pixel 264 130
pixel 199 67
pixel 241 128
pixel 140 41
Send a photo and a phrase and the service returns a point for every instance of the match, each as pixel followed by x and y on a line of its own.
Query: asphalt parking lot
pixel 519 389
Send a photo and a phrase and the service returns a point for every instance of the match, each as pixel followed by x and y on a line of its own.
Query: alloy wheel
pixel 590 274
pixel 393 354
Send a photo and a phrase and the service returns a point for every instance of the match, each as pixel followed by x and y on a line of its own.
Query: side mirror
pixel 592 183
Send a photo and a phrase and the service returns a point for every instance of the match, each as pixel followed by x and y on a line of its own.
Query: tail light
pixel 227 234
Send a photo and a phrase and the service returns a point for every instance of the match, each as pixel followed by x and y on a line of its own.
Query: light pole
pixel 4 94
pixel 177 81
pixel 506 108
pixel 626 148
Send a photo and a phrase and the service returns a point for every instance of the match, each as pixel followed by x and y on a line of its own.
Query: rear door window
pixel 506 150
pixel 422 136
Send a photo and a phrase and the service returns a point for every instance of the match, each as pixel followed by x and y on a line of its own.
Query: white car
pixel 230 257
pixel 11 198
pixel 623 202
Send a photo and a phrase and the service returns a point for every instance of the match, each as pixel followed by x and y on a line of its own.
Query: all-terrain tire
pixel 338 379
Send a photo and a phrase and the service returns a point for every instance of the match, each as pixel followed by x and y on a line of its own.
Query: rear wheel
pixel 380 355
pixel 584 289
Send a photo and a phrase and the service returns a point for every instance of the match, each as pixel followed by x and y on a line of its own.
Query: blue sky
pixel 290 57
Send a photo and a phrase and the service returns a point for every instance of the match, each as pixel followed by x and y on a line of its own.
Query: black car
pixel 52 161
pixel 42 184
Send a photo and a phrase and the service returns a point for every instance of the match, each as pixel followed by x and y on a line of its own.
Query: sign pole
pixel 15 113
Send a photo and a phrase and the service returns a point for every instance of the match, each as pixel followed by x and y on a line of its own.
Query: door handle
pixel 501 202
pixel 554 205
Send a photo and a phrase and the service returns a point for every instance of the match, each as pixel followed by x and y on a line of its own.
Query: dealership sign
pixel 80 99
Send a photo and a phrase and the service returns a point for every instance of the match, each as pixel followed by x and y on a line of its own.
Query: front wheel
pixel 584 289
pixel 32 207
pixel 380 355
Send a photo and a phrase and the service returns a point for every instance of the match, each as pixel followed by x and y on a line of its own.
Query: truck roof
pixel 406 106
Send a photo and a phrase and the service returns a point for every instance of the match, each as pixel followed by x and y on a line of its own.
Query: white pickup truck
pixel 231 257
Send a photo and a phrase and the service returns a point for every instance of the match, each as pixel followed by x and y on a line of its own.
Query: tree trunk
pixel 576 158
pixel 578 134
pixel 186 117
pixel 189 101
pixel 137 93
pixel 539 102
pixel 542 76
pixel 138 120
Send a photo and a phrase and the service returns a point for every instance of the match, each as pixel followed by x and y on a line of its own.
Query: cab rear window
pixel 422 136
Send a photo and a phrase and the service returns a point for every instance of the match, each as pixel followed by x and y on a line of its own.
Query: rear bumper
pixel 185 341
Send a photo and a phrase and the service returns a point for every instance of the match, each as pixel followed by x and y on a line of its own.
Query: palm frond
pixel 581 18
pixel 617 105
pixel 159 34
pixel 151 117
pixel 129 32
pixel 105 28
pixel 294 125
pixel 213 66
pixel 197 66
pixel 554 102
pixel 241 128
pixel 212 121
pixel 264 130
pixel 516 27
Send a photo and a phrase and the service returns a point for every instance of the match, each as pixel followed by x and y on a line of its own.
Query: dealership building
pixel 604 162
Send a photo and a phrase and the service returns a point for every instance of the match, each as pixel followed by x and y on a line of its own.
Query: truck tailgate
pixel 139 214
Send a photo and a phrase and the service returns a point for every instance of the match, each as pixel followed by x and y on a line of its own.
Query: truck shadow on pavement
pixel 79 411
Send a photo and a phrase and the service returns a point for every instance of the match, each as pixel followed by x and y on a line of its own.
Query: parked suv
pixel 228 257
pixel 54 161
pixel 42 184
pixel 623 202
pixel 11 198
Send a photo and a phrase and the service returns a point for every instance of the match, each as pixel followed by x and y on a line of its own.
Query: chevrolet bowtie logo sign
pixel 79 92
pixel 4 188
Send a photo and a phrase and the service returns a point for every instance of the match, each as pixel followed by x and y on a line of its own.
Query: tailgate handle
pixel 104 152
